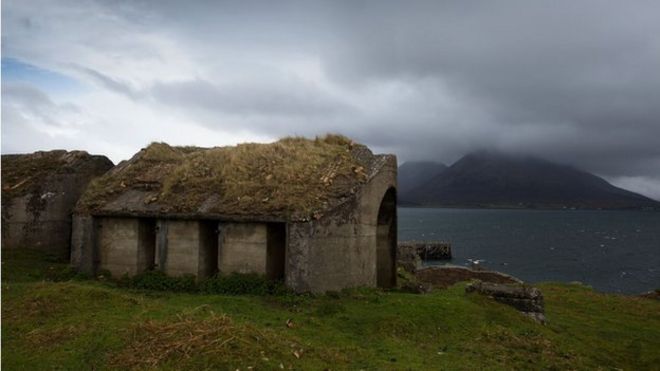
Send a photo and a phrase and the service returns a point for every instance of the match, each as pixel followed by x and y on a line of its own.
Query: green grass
pixel 82 324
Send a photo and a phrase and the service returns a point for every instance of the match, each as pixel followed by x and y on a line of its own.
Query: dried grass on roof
pixel 291 178
pixel 26 173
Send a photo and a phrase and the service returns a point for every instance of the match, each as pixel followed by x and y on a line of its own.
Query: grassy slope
pixel 93 325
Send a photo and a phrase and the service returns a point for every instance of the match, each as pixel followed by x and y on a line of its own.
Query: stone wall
pixel 39 192
pixel 339 249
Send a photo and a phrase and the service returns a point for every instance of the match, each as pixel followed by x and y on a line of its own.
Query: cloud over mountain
pixel 574 82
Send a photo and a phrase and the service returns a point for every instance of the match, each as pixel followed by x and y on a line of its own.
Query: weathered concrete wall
pixel 125 245
pixel 190 248
pixel 84 247
pixel 36 209
pixel 133 245
pixel 340 249
pixel 242 248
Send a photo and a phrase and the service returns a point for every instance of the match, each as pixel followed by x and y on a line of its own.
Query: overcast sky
pixel 572 81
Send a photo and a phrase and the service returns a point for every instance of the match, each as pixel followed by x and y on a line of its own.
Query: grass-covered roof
pixel 24 174
pixel 291 179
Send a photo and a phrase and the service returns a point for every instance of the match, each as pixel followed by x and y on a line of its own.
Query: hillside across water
pixel 489 179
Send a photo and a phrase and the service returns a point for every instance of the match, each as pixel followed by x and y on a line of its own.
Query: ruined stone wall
pixel 339 250
pixel 352 245
pixel 38 197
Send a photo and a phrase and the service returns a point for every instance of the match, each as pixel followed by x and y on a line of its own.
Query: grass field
pixel 86 324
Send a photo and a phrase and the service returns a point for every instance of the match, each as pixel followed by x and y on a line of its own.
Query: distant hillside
pixel 413 174
pixel 488 179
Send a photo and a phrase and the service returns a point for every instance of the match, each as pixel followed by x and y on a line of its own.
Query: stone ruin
pixel 318 214
pixel 39 192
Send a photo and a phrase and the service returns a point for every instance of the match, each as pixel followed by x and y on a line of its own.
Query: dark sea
pixel 612 251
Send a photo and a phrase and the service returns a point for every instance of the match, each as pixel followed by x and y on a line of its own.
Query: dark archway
pixel 386 240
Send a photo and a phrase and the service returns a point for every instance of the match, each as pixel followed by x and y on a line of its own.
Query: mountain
pixel 413 174
pixel 489 179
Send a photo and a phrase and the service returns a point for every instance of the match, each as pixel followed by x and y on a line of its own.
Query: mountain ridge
pixel 499 180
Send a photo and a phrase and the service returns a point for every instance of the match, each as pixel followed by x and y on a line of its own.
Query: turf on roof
pixel 293 179
pixel 27 173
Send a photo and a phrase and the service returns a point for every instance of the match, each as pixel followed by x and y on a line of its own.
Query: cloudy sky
pixel 573 81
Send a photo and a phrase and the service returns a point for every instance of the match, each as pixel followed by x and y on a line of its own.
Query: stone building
pixel 39 192
pixel 319 214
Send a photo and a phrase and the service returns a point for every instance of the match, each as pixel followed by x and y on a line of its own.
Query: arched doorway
pixel 386 240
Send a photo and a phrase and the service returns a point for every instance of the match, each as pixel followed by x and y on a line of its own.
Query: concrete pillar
pixel 242 248
pixel 84 250
pixel 125 245
pixel 191 248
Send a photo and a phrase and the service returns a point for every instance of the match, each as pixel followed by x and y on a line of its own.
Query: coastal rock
pixel 526 299
pixel 408 258
pixel 653 294
pixel 428 250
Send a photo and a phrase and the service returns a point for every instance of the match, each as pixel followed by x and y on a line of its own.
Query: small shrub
pixel 333 294
pixel 59 274
pixel 158 280
pixel 103 275
pixel 124 281
pixel 242 284
pixel 81 276
pixel 329 308
pixel 291 301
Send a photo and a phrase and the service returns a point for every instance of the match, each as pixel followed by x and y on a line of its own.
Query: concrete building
pixel 39 192
pixel 318 214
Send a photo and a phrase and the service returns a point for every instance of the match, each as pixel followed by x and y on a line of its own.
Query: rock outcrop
pixel 428 250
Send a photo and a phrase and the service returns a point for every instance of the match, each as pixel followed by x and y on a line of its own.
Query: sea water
pixel 612 251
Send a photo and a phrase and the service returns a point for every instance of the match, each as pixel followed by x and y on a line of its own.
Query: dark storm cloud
pixel 573 81
pixel 588 68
